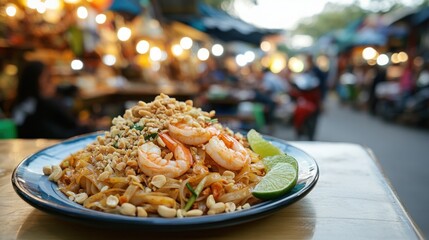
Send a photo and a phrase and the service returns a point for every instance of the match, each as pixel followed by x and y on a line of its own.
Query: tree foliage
pixel 337 16
pixel 333 17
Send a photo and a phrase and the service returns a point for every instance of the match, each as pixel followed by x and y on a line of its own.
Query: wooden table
pixel 352 200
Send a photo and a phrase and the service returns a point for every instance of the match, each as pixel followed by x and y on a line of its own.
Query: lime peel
pixel 271 161
pixel 278 181
pixel 261 146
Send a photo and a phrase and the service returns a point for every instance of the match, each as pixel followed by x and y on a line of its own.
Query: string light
pixel 41 8
pixel 109 59
pixel 402 56
pixel 382 59
pixel 177 50
pixel 11 10
pixel 296 65
pixel 394 58
pixel 217 50
pixel 32 4
pixel 100 18
pixel 124 34
pixel 155 54
pixel 240 59
pixel 250 56
pixel 278 65
pixel 76 64
pixel 203 54
pixel 82 12
pixel 142 46
pixel 53 4
pixel 265 46
pixel 186 42
pixel 369 53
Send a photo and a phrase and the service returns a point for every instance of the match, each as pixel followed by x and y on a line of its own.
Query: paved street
pixel 402 151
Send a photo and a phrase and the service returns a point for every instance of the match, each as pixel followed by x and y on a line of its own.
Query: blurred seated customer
pixel 36 111
pixel 272 83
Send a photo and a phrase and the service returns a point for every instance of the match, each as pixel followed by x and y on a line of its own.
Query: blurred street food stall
pixel 105 54
pixel 105 51
pixel 378 59
pixel 230 75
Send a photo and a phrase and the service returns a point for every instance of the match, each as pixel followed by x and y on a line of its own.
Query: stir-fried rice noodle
pixel 139 162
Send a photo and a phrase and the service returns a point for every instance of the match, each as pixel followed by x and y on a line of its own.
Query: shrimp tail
pixel 176 147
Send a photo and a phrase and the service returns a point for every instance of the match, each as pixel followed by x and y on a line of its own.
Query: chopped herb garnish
pixel 212 120
pixel 137 127
pixel 191 189
pixel 151 136
pixel 195 194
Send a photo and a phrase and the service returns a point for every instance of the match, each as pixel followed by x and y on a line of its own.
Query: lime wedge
pixel 270 161
pixel 261 146
pixel 281 179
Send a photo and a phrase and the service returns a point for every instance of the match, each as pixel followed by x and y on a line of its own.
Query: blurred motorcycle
pixel 410 107
pixel 305 91
pixel 417 106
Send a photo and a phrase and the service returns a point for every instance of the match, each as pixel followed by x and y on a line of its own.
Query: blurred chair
pixel 256 113
pixel 7 129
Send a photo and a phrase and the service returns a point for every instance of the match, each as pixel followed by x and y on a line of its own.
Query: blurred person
pixel 347 84
pixel 266 91
pixel 380 76
pixel 211 75
pixel 272 83
pixel 36 111
pixel 313 69
pixel 307 90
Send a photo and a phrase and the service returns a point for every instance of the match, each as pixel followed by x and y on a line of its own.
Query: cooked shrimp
pixel 191 135
pixel 151 162
pixel 227 152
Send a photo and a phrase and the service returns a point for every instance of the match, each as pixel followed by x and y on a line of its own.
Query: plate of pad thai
pixel 164 164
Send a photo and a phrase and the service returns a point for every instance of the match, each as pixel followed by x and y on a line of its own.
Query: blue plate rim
pixel 92 217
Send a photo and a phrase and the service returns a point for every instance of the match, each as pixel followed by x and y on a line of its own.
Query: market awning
pixel 375 32
pixel 420 16
pixel 218 24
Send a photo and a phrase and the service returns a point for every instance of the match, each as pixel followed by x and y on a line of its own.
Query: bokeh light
pixel 11 69
pixel 124 34
pixel 240 59
pixel 203 54
pixel 177 50
pixel 100 18
pixel 53 4
pixel 155 54
pixel 217 50
pixel 394 58
pixel 296 65
pixel 278 64
pixel 186 43
pixel 11 10
pixel 250 56
pixel 402 56
pixel 82 12
pixel 382 59
pixel 142 46
pixel 265 46
pixel 369 53
pixel 32 4
pixel 76 64
pixel 109 59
